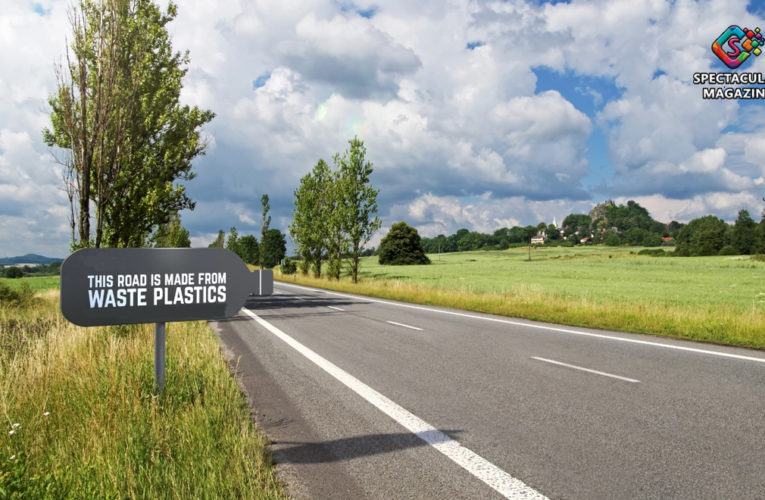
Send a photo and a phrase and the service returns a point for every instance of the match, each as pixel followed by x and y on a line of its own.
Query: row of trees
pixel 614 225
pixel 607 223
pixel 266 253
pixel 334 214
pixel 117 125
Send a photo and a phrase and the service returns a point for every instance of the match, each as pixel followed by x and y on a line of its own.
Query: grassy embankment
pixel 80 418
pixel 711 299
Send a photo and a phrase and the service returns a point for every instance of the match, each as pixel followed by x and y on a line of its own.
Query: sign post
pixel 159 355
pixel 117 286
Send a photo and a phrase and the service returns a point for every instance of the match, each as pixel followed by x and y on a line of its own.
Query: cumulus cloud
pixel 445 97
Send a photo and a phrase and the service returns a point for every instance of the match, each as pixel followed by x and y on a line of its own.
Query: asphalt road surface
pixel 367 398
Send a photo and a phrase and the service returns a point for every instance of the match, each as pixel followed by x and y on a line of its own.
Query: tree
pixel 358 201
pixel 248 245
pixel 219 241
pixel 336 240
pixel 702 236
pixel 577 223
pixel 171 235
pixel 266 221
pixel 309 219
pixel 14 272
pixel 743 235
pixel 232 242
pixel 402 246
pixel 116 113
pixel 275 247
pixel 552 232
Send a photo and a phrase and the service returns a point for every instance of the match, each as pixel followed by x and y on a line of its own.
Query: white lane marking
pixel 476 465
pixel 405 326
pixel 336 308
pixel 549 328
pixel 588 370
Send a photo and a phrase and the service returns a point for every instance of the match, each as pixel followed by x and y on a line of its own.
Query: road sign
pixel 114 286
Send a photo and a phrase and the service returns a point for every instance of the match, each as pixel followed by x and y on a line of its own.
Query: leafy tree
pixel 14 272
pixel 309 226
pixel 577 223
pixel 275 248
pixel 358 201
pixel 702 236
pixel 612 239
pixel 219 241
pixel 116 113
pixel 266 221
pixel 402 246
pixel 337 241
pixel 674 227
pixel 743 235
pixel 759 237
pixel 552 232
pixel 232 242
pixel 636 236
pixel 171 235
pixel 289 266
pixel 248 245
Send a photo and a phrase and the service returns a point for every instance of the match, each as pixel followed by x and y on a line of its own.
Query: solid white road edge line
pixel 588 370
pixel 405 326
pixel 541 327
pixel 476 465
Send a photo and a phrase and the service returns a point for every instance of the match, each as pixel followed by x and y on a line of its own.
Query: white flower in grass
pixel 13 457
pixel 16 426
pixel 11 432
pixel 46 414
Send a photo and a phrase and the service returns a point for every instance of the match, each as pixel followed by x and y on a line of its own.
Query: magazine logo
pixel 735 45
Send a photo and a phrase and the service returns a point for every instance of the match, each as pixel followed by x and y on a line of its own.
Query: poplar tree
pixel 358 202
pixel 116 117
pixel 309 219
pixel 265 222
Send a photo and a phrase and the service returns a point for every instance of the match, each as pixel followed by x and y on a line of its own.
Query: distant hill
pixel 29 258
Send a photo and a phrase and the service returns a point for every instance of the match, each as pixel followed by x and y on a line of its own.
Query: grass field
pixel 79 416
pixel 36 283
pixel 714 299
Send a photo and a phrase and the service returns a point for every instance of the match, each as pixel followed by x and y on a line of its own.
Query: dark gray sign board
pixel 114 286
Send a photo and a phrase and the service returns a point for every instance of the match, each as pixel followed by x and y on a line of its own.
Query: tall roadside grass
pixel 79 417
pixel 706 321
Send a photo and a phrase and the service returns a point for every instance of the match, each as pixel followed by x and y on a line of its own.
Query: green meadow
pixel 712 299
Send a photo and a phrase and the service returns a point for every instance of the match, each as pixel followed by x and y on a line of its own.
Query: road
pixel 366 398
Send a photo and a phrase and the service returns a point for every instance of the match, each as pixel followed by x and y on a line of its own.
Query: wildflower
pixel 11 432
pixel 16 426
pixel 46 414
pixel 13 457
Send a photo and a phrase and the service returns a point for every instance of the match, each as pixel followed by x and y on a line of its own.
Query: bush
pixel 654 252
pixel 21 296
pixel 289 266
pixel 14 272
pixel 402 246
pixel 728 250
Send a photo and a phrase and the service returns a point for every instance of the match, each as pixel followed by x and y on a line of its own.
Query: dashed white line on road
pixel 479 467
pixel 336 308
pixel 568 331
pixel 405 326
pixel 588 370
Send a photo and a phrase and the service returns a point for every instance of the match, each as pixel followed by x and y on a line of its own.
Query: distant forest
pixel 615 225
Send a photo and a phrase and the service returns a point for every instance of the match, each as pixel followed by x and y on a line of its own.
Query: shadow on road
pixel 295 301
pixel 348 448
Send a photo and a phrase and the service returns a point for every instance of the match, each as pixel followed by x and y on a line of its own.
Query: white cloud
pixel 458 137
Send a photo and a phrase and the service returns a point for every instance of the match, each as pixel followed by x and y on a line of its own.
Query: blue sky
pixel 476 114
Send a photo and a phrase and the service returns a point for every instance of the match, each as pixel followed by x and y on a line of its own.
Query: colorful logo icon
pixel 735 45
